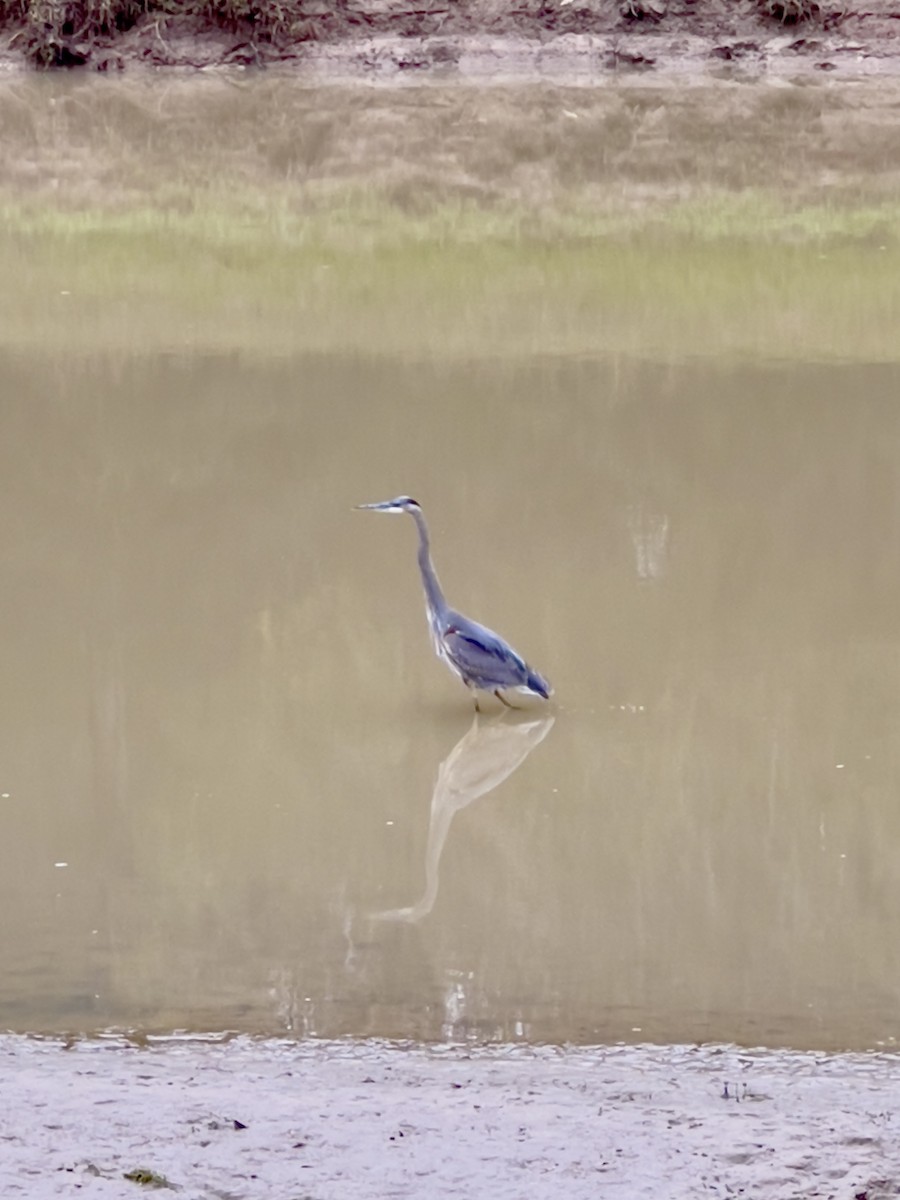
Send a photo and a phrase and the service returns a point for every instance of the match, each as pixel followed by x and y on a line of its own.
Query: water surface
pixel 643 378
pixel 239 791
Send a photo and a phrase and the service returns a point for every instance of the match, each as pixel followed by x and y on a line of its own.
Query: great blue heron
pixel 480 657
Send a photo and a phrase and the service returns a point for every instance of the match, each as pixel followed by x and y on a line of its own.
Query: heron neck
pixel 433 593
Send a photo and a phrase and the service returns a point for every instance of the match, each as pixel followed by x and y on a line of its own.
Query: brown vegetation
pixel 63 33
pixel 789 12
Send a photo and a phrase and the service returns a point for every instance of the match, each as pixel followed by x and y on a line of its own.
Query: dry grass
pixel 795 12
pixel 790 12
pixel 63 33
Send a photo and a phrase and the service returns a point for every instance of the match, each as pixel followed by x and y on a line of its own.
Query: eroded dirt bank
pixel 595 38
pixel 331 1120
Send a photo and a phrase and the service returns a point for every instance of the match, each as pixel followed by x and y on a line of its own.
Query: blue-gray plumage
pixel 480 657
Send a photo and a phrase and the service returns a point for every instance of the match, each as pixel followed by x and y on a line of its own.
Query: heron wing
pixel 481 655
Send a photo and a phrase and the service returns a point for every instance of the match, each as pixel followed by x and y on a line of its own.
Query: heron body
pixel 480 657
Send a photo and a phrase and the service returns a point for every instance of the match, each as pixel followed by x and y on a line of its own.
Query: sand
pixel 327 1120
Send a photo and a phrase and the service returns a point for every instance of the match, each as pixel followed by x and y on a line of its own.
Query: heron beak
pixel 382 506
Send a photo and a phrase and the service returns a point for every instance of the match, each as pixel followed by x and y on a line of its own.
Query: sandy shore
pixel 245 1119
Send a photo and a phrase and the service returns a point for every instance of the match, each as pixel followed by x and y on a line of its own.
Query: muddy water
pixel 239 792
pixel 236 789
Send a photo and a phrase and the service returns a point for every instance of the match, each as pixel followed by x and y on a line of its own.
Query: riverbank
pixel 254 1120
pixel 474 37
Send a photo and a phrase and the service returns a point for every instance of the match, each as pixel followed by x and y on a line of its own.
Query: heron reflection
pixel 479 762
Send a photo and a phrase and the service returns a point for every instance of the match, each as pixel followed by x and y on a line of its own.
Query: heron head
pixel 400 505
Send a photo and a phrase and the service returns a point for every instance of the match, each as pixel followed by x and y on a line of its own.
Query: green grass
pixel 719 275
